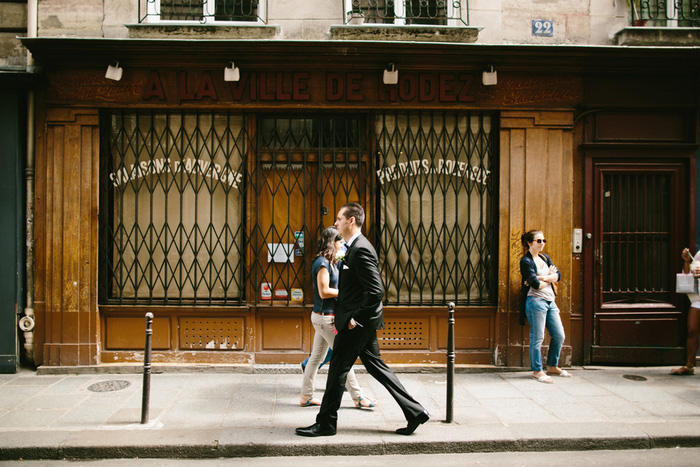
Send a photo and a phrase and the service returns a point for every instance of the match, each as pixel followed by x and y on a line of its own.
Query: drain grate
pixel 108 386
pixel 634 377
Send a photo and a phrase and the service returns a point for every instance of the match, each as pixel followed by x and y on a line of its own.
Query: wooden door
pixel 635 230
pixel 306 169
pixel 288 216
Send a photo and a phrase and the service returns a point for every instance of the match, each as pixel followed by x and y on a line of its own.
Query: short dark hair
pixel 356 211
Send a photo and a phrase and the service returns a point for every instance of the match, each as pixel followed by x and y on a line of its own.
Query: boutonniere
pixel 340 254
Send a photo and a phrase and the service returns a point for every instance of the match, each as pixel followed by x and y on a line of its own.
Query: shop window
pixel 203 11
pixel 173 229
pixel 171 212
pixel 437 226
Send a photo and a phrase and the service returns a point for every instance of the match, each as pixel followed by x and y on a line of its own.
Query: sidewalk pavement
pixel 207 413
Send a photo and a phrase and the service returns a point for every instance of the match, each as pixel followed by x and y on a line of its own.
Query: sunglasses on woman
pixel 541 240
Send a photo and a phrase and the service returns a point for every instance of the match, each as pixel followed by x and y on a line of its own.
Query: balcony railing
pixel 665 13
pixel 203 11
pixel 434 12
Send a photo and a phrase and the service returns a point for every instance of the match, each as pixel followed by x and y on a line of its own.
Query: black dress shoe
pixel 413 424
pixel 317 430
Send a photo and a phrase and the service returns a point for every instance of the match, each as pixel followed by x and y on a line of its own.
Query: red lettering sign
pixel 408 87
pixel 464 95
pixel 446 90
pixel 280 86
pixel 427 88
pixel 265 95
pixel 334 87
pixel 153 87
pixel 182 88
pixel 206 87
pixel 300 82
pixel 281 95
pixel 353 86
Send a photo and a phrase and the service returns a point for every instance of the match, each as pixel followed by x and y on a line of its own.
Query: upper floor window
pixel 404 12
pixel 679 13
pixel 203 11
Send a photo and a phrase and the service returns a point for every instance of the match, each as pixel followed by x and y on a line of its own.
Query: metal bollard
pixel 145 401
pixel 450 361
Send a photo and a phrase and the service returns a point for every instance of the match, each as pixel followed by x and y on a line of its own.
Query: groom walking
pixel 358 315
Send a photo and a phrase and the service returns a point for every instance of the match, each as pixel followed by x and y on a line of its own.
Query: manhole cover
pixel 107 386
pixel 634 377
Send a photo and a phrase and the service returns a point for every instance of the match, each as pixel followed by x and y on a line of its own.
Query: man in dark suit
pixel 358 315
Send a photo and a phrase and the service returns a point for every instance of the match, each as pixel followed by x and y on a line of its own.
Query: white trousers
pixel 323 338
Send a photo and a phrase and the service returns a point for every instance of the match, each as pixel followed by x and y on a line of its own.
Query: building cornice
pixel 54 52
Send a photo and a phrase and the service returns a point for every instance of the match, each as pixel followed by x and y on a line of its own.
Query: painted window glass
pixel 172 203
pixel 437 228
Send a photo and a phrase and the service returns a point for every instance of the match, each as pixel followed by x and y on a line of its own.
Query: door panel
pixel 637 230
pixel 285 211
pixel 341 187
pixel 306 168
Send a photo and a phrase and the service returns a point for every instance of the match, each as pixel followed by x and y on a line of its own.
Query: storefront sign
pixel 302 89
pixel 297 87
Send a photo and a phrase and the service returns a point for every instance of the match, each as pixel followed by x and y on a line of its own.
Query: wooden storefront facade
pixel 176 192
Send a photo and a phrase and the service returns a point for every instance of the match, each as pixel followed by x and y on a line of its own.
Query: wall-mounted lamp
pixel 114 72
pixel 232 73
pixel 489 76
pixel 391 75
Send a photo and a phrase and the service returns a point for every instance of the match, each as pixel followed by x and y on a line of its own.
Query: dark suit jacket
pixel 360 289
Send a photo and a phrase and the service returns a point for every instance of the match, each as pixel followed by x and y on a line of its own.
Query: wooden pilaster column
pixel 536 192
pixel 66 236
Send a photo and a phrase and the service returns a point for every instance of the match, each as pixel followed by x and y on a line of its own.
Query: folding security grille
pixel 187 217
pixel 306 169
pixel 172 226
pixel 636 238
pixel 437 219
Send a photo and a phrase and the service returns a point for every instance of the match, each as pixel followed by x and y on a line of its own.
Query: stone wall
pixel 499 21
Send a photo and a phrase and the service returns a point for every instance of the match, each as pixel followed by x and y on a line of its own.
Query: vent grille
pixel 404 334
pixel 211 334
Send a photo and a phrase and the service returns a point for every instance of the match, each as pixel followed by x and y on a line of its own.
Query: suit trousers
pixel 349 345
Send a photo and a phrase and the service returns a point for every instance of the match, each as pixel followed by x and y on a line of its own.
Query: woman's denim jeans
pixel 541 314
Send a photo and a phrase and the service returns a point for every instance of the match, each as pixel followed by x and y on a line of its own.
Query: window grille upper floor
pixel 203 11
pixel 665 13
pixel 406 12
